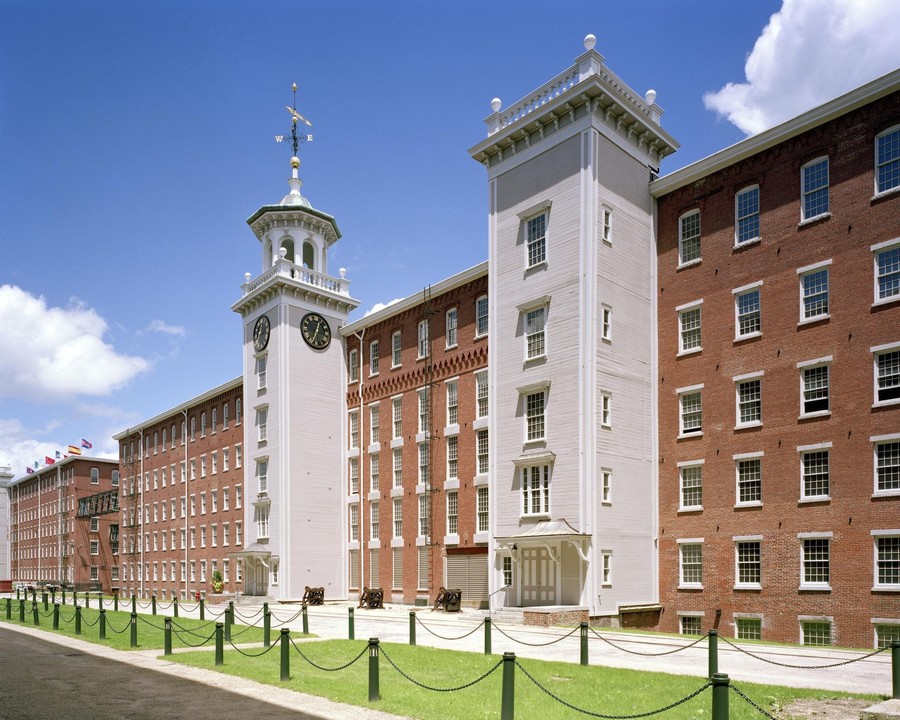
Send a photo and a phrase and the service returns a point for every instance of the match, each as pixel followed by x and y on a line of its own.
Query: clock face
pixel 261 333
pixel 315 331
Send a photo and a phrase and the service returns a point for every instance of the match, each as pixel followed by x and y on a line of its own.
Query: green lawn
pixel 602 690
pixel 186 632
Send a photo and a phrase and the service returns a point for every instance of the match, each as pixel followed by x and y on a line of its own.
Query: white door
pixel 538 577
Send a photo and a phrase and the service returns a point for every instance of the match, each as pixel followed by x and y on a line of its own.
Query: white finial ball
pixel 247 277
pixel 496 104
pixel 282 251
pixel 343 272
pixel 650 97
pixel 589 41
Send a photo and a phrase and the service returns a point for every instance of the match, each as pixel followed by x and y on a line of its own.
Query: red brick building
pixel 779 377
pixel 417 495
pixel 64 525
pixel 182 497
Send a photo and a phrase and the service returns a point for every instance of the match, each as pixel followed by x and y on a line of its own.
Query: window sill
pixel 886 588
pixel 813 220
pixel 420 488
pixel 451 430
pixel 421 436
pixel 885 194
pixel 482 336
pixel 747 243
pixel 396 443
pixel 373 375
pixel 690 586
pixel 397 542
pixel 481 480
pixel 688 264
pixel 396 492
pixel 748 336
pixel 813 415
pixel 688 436
pixel 748 586
pixel 537 266
pixel 886 493
pixel 748 425
pixel 535 516
pixel 451 484
pixel 692 509
pixel 353 545
pixel 816 499
pixel 819 587
pixel 886 301
pixel 396 367
pixel 885 403
pixel 692 351
pixel 481 423
pixel 421 541
pixel 607 503
pixel 373 495
pixel 535 360
pixel 813 320
pixel 373 544
pixel 481 537
pixel 751 504
pixel 353 452
pixel 451 347
pixel 451 539
pixel 373 447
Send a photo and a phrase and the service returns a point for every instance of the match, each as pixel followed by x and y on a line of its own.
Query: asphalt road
pixel 47 681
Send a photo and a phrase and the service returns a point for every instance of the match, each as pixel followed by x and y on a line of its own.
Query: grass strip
pixel 609 691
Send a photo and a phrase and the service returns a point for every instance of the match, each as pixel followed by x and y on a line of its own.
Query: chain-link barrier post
pixel 305 621
pixel 720 683
pixel 508 700
pixel 133 603
pixel 285 654
pixel 167 636
pixel 267 626
pixel 9 608
pixel 487 636
pixel 412 627
pixel 21 611
pixel 74 597
pixel 153 604
pixel 351 628
pixel 220 659
pixel 53 596
pixel 78 619
pixel 35 612
pixel 116 602
pixel 133 629
pixel 229 619
pixel 174 607
pixel 374 684
pixel 56 616
pixel 64 596
pixel 102 623
pixel 202 610
pixel 713 639
pixel 895 668
pixel 229 611
pixel 45 600
pixel 584 643
pixel 18 596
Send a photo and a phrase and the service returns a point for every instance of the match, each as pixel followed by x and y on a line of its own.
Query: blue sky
pixel 136 138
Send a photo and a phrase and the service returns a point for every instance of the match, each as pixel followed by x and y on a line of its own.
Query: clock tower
pixel 294 381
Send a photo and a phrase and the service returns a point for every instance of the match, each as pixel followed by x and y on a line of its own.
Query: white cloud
pixel 18 450
pixel 50 352
pixel 160 326
pixel 381 306
pixel 812 51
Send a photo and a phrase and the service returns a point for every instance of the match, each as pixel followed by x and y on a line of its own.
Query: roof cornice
pixel 868 93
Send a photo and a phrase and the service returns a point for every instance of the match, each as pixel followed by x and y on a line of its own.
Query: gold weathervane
pixel 295 116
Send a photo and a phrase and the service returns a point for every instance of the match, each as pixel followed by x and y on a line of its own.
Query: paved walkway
pixel 465 631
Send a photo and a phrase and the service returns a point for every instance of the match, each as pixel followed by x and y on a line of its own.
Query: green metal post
pixel 153 604
pixel 487 636
pixel 74 597
pixel 895 668
pixel 78 620
pixel 56 616
pixel 229 619
pixel 267 626
pixel 133 629
pixel 230 611
pixel 584 643
pixel 87 599
pixel 46 601
pixel 202 610
pixel 412 627
pixel 175 607
pixel 9 608
pixel 103 623
pixel 35 612
pixel 21 610
pixel 167 636
pixel 351 630
pixel 219 645
pixel 305 621
pixel 64 596
pixel 18 596
pixel 116 602
pixel 34 596
pixel 713 653
pixel 720 684
pixel 133 603
pixel 374 688
pixel 508 702
pixel 53 596
pixel 285 654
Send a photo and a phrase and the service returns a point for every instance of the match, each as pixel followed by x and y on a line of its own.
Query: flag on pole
pixel 58 456
pixel 48 460
pixel 29 470
pixel 74 450
pixel 86 444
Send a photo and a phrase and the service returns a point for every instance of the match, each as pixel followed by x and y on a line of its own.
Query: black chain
pixel 252 655
pixel 444 637
pixel 247 617
pixel 437 689
pixel 522 642
pixel 160 606
pixel 290 619
pixel 612 717
pixel 113 628
pixel 45 614
pixel 63 618
pixel 644 654
pixel 184 607
pixel 147 622
pixel 806 667
pixel 189 630
pixel 326 669
pixel 91 624
pixel 200 644
pixel 141 605
pixel 753 704
pixel 241 632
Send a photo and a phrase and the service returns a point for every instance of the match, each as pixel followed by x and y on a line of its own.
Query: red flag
pixel 48 460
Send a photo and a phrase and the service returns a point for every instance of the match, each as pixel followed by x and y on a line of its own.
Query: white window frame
pixel 535 404
pixel 606 480
pixel 683 545
pixel 890 292
pixel 451 328
pixel 397 517
pixel 606 224
pixel 453 512
pixel 397 468
pixel 684 220
pixel 748 460
pixel 818 620
pixel 422 339
pixel 891 442
pixel 482 451
pixel 536 239
pixel 741 403
pixel 482 394
pixel 353 429
pixel 374 423
pixel 534 331
pixel 606 314
pixel 605 409
pixel 746 215
pixel 877 584
pixel 747 584
pixel 808 299
pixel 423 399
pixel 805 452
pixel 374 520
pixel 892 386
pixel 684 394
pixel 374 359
pixel 353 365
pixel 689 466
pixel 396 349
pixel 482 316
pixel 451 388
pixel 374 472
pixel 262 478
pixel 397 417
pixel 809 384
pixel 536 482
pixel 810 537
pixel 262 419
pixel 739 294
pixel 688 326
pixel 452 443
pixel 807 194
pixel 890 159
pixel 261 375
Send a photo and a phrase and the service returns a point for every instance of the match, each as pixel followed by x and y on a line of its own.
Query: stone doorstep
pixel 887 710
